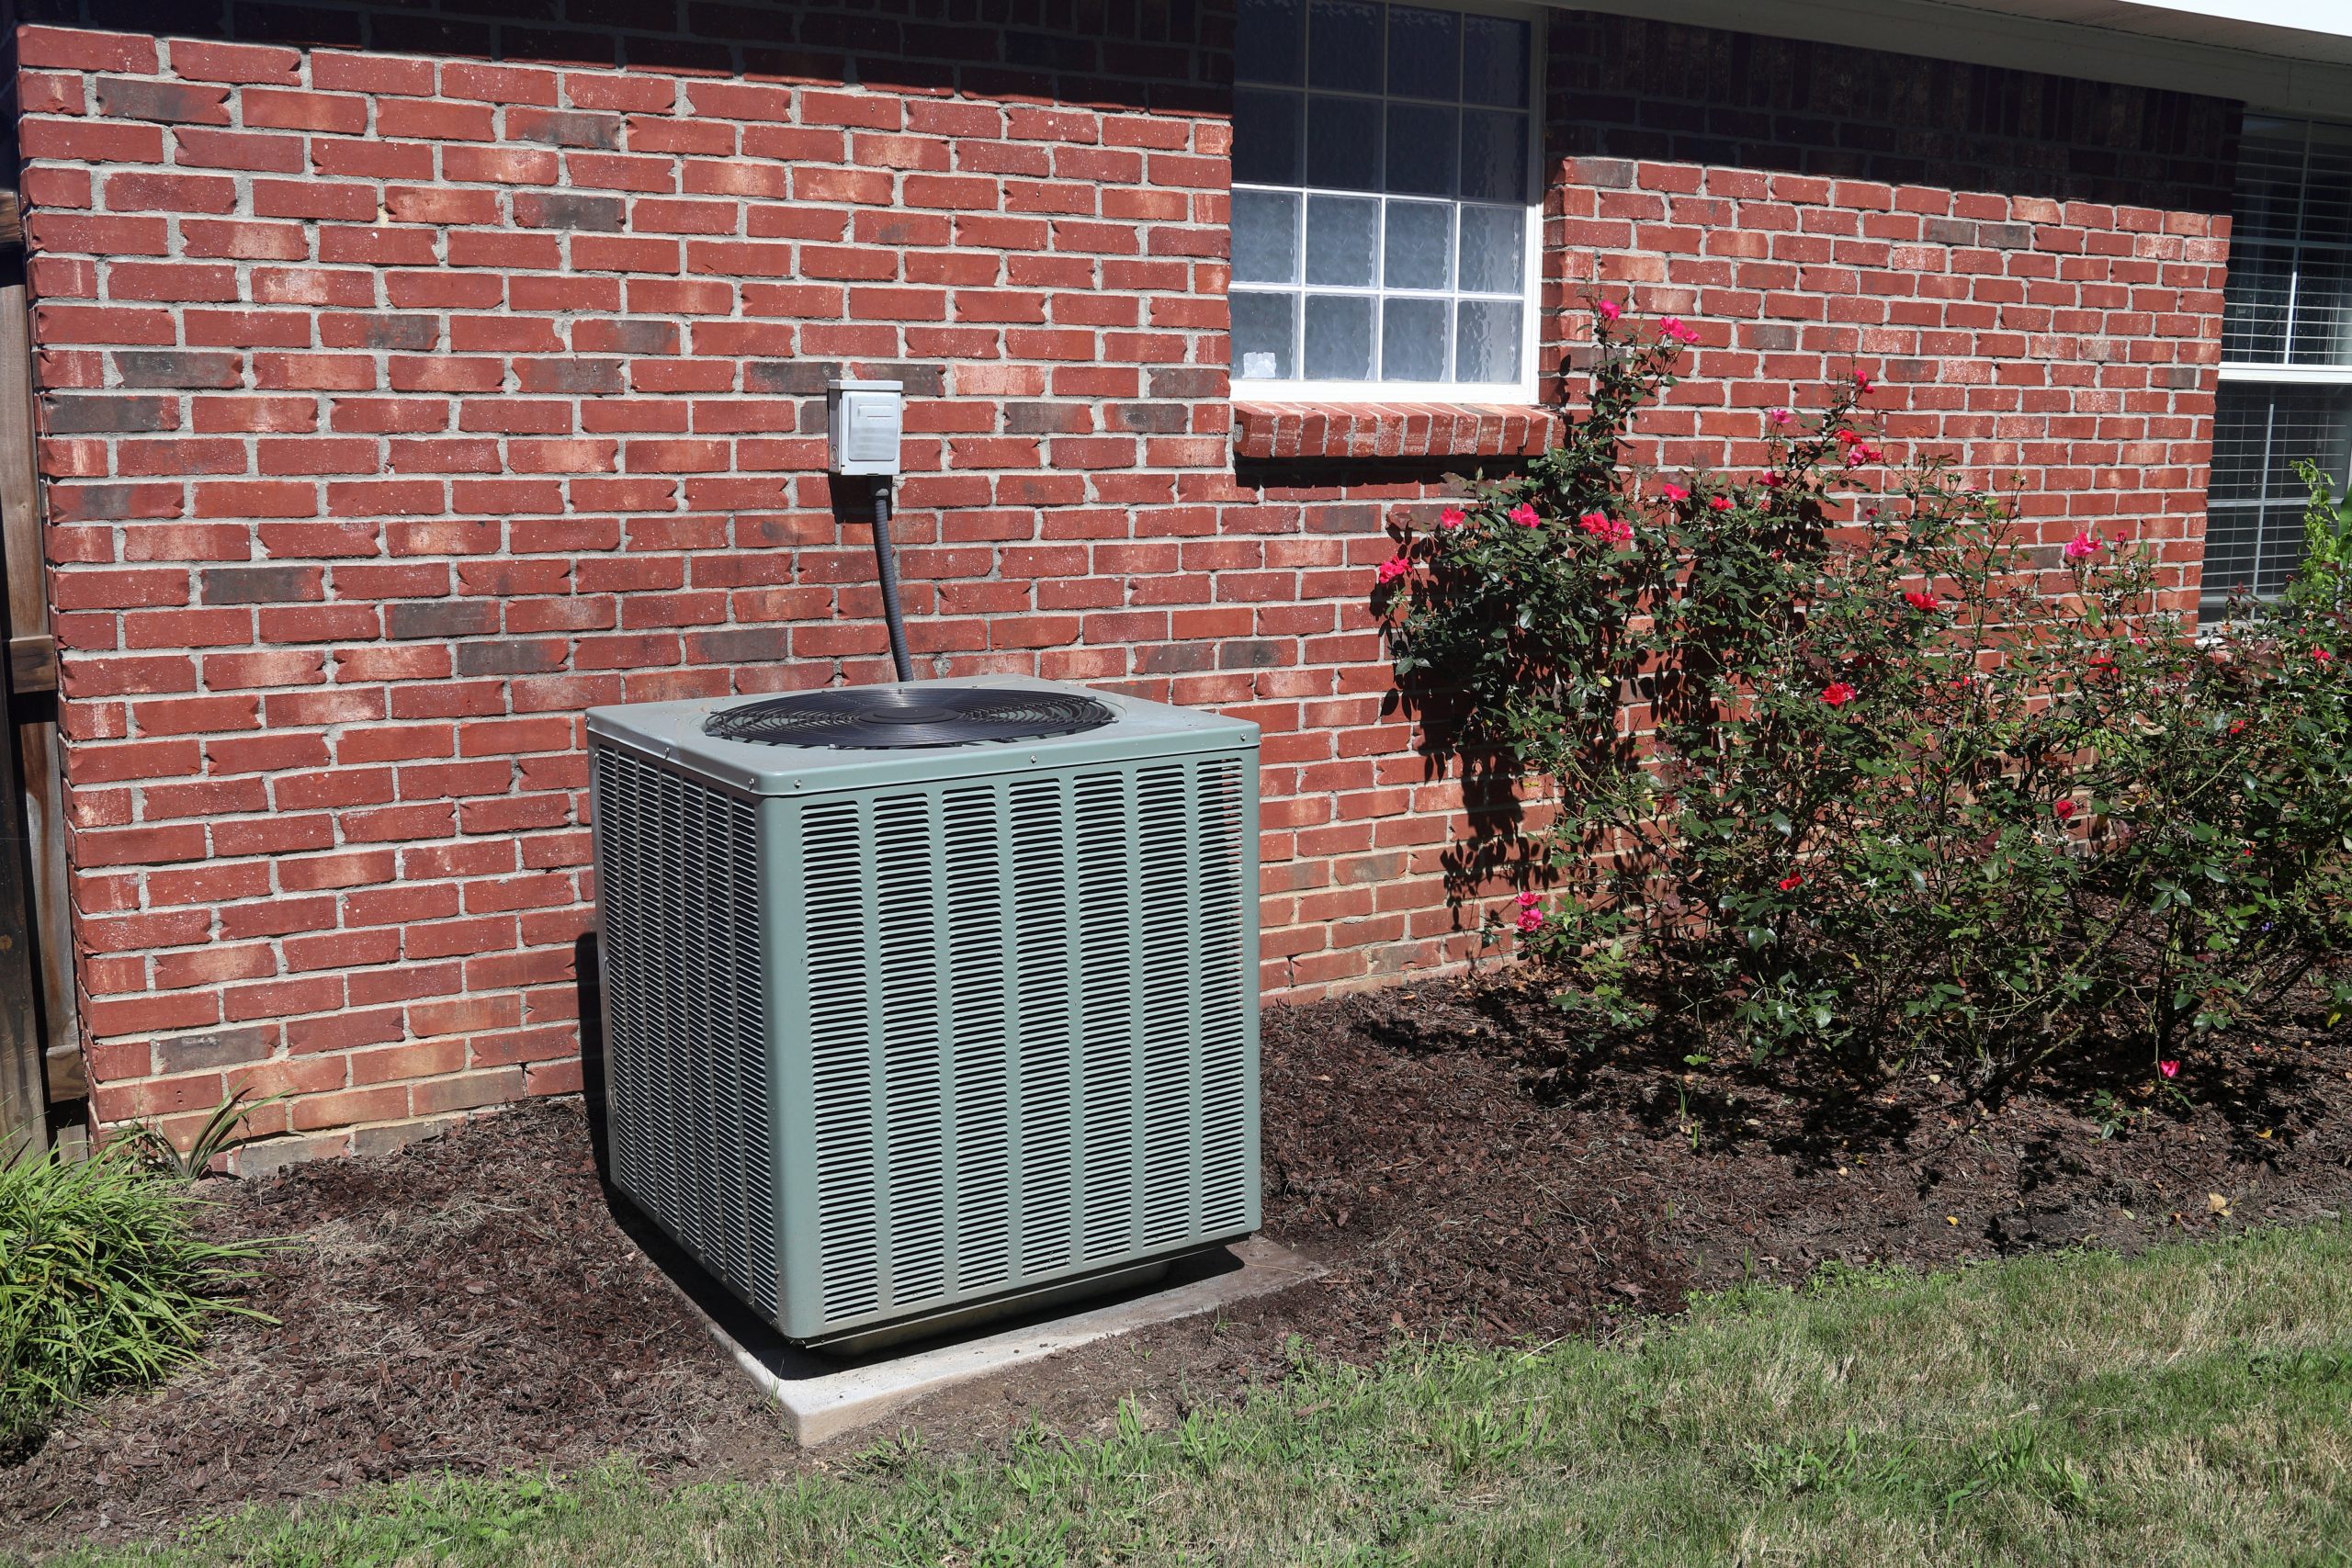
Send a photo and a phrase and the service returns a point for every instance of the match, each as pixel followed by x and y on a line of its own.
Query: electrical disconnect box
pixel 864 420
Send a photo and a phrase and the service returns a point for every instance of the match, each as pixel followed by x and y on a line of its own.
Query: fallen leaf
pixel 2216 1204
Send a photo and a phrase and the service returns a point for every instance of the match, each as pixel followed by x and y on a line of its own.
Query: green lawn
pixel 2193 1404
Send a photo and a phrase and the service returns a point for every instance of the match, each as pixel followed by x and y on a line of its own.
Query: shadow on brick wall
pixel 1162 54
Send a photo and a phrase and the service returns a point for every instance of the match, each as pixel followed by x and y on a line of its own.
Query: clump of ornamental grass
pixel 1842 762
pixel 104 1282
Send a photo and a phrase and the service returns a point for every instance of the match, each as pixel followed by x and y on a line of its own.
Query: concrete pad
pixel 824 1396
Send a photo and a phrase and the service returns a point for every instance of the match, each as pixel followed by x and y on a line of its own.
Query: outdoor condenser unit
pixel 927 997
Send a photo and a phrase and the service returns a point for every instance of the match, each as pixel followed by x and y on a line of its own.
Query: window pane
pixel 2270 180
pixel 1343 46
pixel 1420 149
pixel 2254 530
pixel 1339 337
pixel 1486 341
pixel 1420 245
pixel 1265 137
pixel 1494 61
pixel 1340 233
pixel 1270 42
pixel 1493 249
pixel 2323 313
pixel 2327 185
pixel 1343 143
pixel 2254 314
pixel 1265 331
pixel 2240 424
pixel 1412 339
pixel 1494 156
pixel 1265 237
pixel 1424 53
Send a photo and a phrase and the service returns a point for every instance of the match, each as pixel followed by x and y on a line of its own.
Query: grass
pixel 2190 1405
pixel 101 1282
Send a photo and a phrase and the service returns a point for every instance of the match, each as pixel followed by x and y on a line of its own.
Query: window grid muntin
pixel 1524 297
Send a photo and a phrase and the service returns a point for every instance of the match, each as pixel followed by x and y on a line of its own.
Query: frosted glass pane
pixel 1343 45
pixel 1270 42
pixel 1494 156
pixel 1420 149
pixel 1424 53
pixel 1420 245
pixel 1343 143
pixel 1340 235
pixel 1412 339
pixel 1486 341
pixel 1265 332
pixel 1265 137
pixel 1339 337
pixel 1265 237
pixel 1494 61
pixel 1493 252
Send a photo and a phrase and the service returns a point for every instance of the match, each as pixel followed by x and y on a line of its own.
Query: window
pixel 2286 391
pixel 1384 191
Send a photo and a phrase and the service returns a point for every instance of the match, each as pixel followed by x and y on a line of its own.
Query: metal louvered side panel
pixel 1045 973
pixel 685 1014
pixel 981 1107
pixel 1109 1018
pixel 1225 863
pixel 1167 1156
pixel 915 1113
pixel 841 1059
pixel 1030 1035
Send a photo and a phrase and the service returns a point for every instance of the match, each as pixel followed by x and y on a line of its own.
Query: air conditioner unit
pixel 928 997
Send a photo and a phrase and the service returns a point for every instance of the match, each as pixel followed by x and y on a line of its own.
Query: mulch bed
pixel 1460 1166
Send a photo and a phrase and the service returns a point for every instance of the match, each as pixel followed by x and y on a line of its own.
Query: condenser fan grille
pixel 889 717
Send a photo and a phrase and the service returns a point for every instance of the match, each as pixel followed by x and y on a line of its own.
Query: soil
pixel 1460 1167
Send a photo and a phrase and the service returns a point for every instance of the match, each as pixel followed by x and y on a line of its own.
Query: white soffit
pixel 2287 56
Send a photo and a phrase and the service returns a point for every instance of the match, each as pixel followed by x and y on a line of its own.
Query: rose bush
pixel 1839 763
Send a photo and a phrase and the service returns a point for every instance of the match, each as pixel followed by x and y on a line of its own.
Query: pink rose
pixel 1524 515
pixel 1390 570
pixel 2081 545
pixel 1453 517
pixel 1720 503
pixel 1674 492
pixel 1608 311
pixel 1838 694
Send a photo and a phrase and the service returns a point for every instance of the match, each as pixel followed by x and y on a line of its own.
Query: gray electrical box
pixel 864 420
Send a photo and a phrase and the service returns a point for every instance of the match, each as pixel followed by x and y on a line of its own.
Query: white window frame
pixel 2270 372
pixel 1524 389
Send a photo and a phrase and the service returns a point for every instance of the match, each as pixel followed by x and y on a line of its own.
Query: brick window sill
pixel 1280 430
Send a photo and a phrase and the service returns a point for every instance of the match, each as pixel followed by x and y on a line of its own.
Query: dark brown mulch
pixel 1461 1167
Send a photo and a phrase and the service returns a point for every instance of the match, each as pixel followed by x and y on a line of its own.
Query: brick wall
pixel 2031 266
pixel 416 377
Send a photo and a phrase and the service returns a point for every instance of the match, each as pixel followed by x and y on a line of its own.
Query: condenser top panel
pixel 701 735
pixel 885 718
